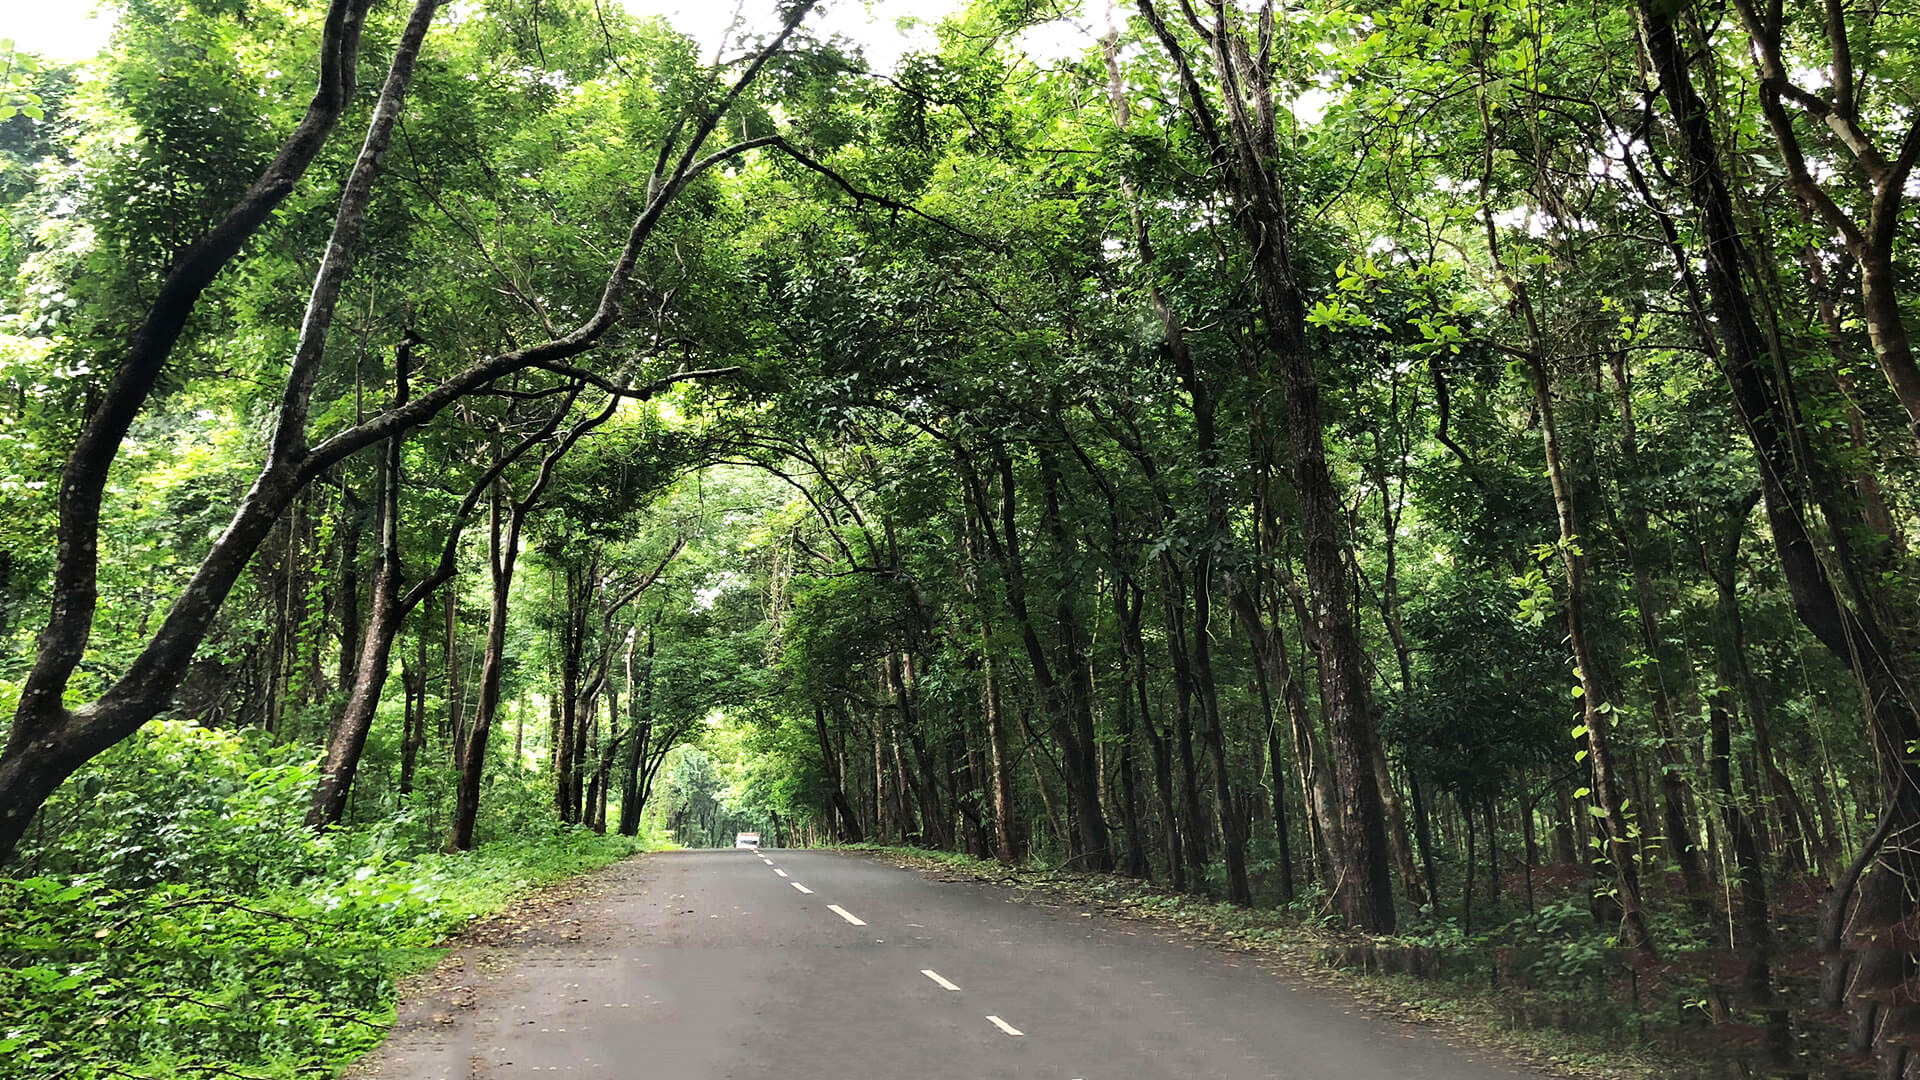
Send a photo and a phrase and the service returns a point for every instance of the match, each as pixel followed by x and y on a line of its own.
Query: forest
pixel 1439 473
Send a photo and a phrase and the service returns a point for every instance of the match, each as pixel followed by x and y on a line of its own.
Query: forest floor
pixel 1471 1016
pixel 806 964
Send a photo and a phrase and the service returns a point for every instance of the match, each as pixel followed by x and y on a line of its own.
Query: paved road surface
pixel 795 965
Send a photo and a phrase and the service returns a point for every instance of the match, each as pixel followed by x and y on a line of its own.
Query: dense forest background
pixel 1439 470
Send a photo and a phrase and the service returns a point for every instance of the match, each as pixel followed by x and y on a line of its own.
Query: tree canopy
pixel 1444 467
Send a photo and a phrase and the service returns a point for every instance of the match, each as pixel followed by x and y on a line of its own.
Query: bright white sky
pixel 62 29
pixel 70 30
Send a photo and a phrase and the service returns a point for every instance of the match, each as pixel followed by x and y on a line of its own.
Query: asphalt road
pixel 803 965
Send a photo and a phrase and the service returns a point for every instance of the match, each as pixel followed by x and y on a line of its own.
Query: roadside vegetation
pixel 184 922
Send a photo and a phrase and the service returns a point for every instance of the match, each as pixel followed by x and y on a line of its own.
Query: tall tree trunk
pixel 1270 654
pixel 1135 864
pixel 1676 822
pixel 1755 919
pixel 846 822
pixel 384 623
pixel 1597 697
pixel 1276 767
pixel 1193 824
pixel 1233 817
pixel 351 524
pixel 503 551
pixel 456 719
pixel 919 779
pixel 597 793
pixel 586 716
pixel 999 763
pixel 1392 510
pixel 1066 695
pixel 413 678
pixel 1157 741
pixel 640 727
pixel 1863 972
pixel 1073 725
pixel 1246 153
pixel 1005 833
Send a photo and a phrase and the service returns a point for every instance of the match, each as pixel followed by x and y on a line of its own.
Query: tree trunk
pixel 471 755
pixel 1276 768
pixel 1864 972
pixel 1755 919
pixel 1157 741
pixel 1135 864
pixel 1005 833
pixel 413 679
pixel 1073 725
pixel 1270 654
pixel 351 524
pixel 1597 698
pixel 1676 822
pixel 640 728
pixel 847 824
pixel 999 764
pixel 1233 819
pixel 1193 826
pixel 1247 153
pixel 385 621
pixel 456 719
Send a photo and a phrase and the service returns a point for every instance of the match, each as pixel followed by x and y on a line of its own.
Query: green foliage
pixel 16 83
pixel 182 804
pixel 182 918
pixel 972 351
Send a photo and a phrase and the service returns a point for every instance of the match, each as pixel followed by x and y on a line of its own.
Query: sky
pixel 61 29
pixel 69 29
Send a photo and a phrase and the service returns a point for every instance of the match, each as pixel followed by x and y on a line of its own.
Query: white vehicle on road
pixel 746 840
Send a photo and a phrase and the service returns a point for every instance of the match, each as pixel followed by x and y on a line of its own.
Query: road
pixel 801 965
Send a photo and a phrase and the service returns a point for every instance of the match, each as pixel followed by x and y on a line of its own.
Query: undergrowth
pixel 205 932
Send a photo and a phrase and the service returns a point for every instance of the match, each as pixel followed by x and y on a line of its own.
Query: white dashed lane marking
pixel 936 977
pixel 779 871
pixel 1004 1026
pixel 801 887
pixel 847 915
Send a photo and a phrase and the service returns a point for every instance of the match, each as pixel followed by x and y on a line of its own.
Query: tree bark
pixel 1246 156
pixel 470 757
pixel 1157 741
pixel 1676 822
pixel 1864 972
pixel 384 622
pixel 847 823
pixel 1193 823
pixel 1597 696
pixel 1074 729
pixel 413 678
pixel 640 728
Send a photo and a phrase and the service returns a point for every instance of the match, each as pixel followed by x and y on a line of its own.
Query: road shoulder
pixel 438 1009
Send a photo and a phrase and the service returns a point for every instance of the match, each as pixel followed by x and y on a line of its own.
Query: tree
pixel 48 739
